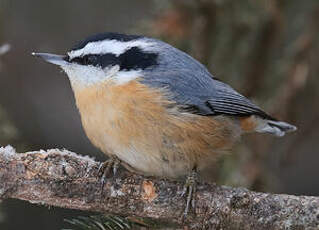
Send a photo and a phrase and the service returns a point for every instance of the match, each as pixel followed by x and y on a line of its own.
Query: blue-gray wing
pixel 198 92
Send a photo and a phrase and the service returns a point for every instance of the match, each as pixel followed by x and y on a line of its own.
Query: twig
pixel 65 179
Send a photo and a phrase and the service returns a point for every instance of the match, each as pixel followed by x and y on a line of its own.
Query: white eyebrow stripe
pixel 109 46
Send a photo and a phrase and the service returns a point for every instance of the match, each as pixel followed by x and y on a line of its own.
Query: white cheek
pixel 84 76
pixel 89 75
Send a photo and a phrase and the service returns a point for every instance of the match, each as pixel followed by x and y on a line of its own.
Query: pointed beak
pixel 59 60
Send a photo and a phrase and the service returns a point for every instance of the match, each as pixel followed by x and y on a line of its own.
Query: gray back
pixel 192 87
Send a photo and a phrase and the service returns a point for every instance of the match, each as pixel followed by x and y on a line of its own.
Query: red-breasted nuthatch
pixel 154 107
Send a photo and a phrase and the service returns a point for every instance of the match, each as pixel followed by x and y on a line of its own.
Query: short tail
pixel 278 128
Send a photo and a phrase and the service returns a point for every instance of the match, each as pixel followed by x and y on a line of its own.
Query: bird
pixel 155 109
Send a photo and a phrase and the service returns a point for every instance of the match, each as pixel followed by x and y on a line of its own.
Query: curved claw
pixel 190 190
pixel 105 168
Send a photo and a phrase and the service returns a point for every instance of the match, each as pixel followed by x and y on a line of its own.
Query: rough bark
pixel 65 179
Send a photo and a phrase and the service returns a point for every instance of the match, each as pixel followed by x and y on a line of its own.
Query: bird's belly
pixel 154 164
pixel 145 151
pixel 135 125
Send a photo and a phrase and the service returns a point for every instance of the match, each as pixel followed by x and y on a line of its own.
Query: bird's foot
pixel 105 169
pixel 189 191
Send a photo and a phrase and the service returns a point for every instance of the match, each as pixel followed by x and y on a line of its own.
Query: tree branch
pixel 65 179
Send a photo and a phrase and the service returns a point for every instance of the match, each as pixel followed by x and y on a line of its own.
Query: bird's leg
pixel 111 164
pixel 189 191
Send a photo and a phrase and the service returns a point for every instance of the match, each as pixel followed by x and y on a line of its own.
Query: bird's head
pixel 116 57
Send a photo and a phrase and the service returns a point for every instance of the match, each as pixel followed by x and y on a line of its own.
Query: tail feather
pixel 278 128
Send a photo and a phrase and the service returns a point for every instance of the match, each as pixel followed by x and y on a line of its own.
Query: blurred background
pixel 268 50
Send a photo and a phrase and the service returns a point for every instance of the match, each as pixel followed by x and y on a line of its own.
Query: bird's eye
pixel 91 60
pixel 86 60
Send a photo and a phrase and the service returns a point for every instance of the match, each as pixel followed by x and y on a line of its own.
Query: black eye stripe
pixel 90 59
pixel 133 59
pixel 108 60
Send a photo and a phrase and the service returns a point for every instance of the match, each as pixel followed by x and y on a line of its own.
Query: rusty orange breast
pixel 147 131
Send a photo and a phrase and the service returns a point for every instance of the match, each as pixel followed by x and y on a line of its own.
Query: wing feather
pixel 200 93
